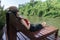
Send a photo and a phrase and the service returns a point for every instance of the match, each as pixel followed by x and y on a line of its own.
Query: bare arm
pixel 24 23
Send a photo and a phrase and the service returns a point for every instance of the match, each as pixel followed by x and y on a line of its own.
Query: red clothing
pixel 27 22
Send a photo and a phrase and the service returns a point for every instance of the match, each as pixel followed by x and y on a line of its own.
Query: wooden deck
pixel 58 38
pixel 22 38
pixel 28 38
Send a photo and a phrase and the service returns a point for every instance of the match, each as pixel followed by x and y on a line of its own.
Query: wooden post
pixel 56 35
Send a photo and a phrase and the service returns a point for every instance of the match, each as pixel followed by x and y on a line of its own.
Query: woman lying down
pixel 32 27
pixel 28 25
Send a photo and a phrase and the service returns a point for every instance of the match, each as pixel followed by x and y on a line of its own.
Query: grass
pixel 50 21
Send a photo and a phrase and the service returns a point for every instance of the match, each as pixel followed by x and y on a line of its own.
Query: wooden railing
pixel 48 33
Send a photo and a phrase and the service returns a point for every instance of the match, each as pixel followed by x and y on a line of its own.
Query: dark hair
pixel 12 9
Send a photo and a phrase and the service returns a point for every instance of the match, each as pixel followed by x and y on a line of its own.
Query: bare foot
pixel 44 24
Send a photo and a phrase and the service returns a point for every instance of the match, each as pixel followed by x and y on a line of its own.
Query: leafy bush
pixel 2 18
pixel 49 8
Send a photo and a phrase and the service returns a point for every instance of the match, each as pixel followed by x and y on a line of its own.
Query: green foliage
pixel 49 8
pixel 2 18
